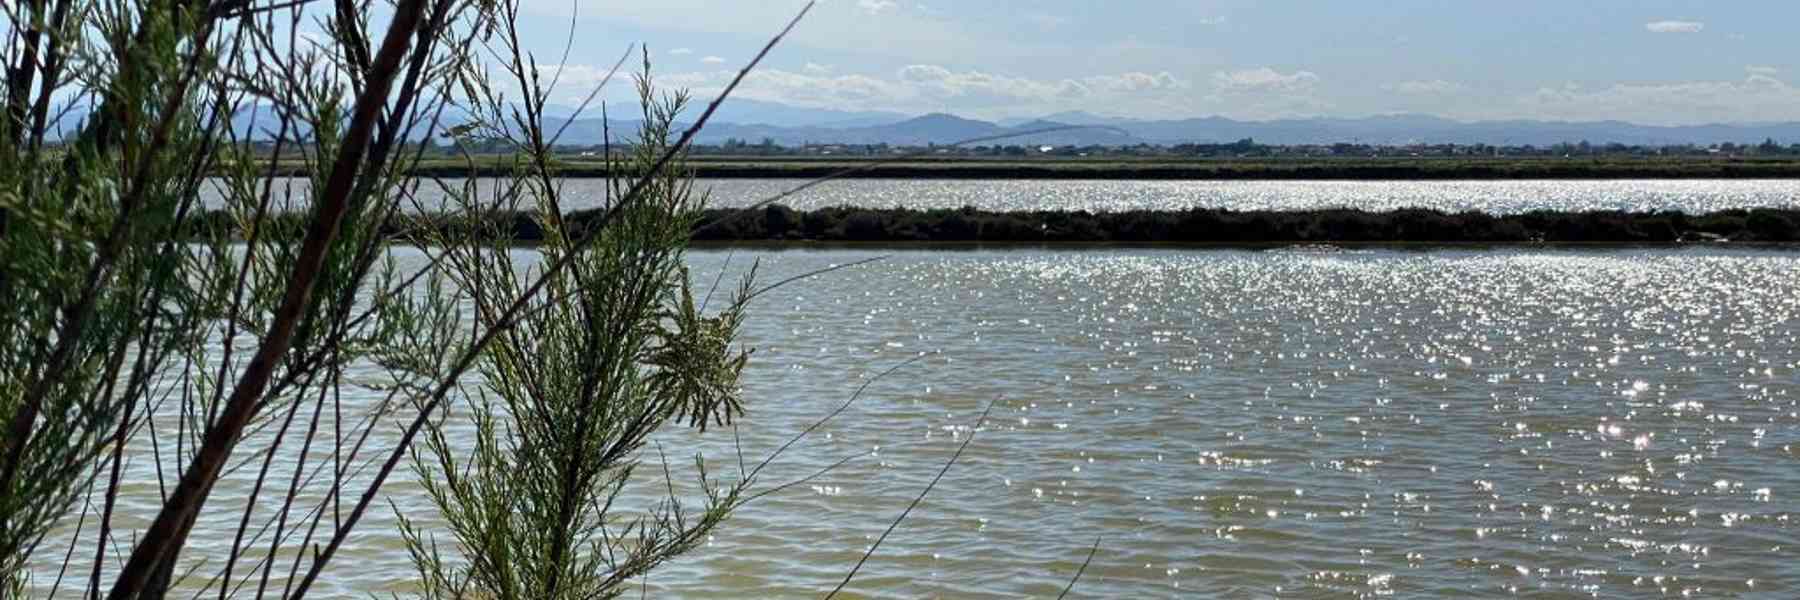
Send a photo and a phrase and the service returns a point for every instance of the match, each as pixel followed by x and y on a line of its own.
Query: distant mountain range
pixel 793 126
pixel 752 121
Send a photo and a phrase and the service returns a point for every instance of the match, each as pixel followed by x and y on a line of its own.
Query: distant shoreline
pixel 1353 169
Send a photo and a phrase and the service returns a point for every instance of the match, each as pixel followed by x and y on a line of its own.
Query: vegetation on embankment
pixel 1394 168
pixel 1196 226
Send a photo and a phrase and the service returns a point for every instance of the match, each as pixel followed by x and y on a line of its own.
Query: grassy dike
pixel 1196 226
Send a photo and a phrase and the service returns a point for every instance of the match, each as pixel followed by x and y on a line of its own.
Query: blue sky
pixel 1647 61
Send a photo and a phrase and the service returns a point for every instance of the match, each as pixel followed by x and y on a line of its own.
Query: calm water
pixel 1490 196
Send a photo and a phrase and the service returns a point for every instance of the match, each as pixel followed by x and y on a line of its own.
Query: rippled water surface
pixel 1490 196
pixel 1252 424
pixel 1301 424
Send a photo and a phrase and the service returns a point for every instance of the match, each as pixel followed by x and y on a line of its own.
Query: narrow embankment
pixel 1168 168
pixel 1195 226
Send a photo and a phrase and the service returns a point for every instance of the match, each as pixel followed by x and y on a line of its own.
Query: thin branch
pixel 833 414
pixel 809 274
pixel 507 318
pixel 916 500
pixel 801 481
pixel 1083 569
pixel 196 481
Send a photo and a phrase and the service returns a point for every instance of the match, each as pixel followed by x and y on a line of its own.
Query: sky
pixel 1646 61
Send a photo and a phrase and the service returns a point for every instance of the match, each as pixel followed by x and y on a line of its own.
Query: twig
pixel 821 422
pixel 1083 569
pixel 196 482
pixel 916 500
pixel 816 474
pixel 814 273
pixel 464 362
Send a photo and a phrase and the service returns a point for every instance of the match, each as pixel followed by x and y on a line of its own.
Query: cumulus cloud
pixel 1264 80
pixel 876 6
pixel 812 68
pixel 1761 70
pixel 1674 26
pixel 1425 88
pixel 712 60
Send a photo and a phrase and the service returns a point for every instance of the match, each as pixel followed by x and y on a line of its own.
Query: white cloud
pixel 575 81
pixel 1136 81
pixel 1674 26
pixel 1258 93
pixel 939 81
pixel 876 6
pixel 1761 70
pixel 681 52
pixel 1425 88
pixel 1264 93
pixel 812 68
pixel 1758 97
pixel 924 73
pixel 1264 80
pixel 801 89
pixel 929 88
pixel 1047 21
pixel 712 60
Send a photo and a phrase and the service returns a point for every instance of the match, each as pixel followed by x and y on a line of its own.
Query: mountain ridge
pixel 1387 130
pixel 754 121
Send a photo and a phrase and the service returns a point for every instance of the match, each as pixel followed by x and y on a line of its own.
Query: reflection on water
pixel 1618 423
pixel 1249 424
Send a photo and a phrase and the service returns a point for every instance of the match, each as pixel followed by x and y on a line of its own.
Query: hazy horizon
pixel 1653 63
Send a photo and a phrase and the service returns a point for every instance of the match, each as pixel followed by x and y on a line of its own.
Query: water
pixel 1239 423
pixel 1304 424
pixel 1489 196
pixel 1692 196
pixel 1236 423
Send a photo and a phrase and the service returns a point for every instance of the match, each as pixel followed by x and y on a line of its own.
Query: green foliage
pixel 166 297
pixel 614 348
